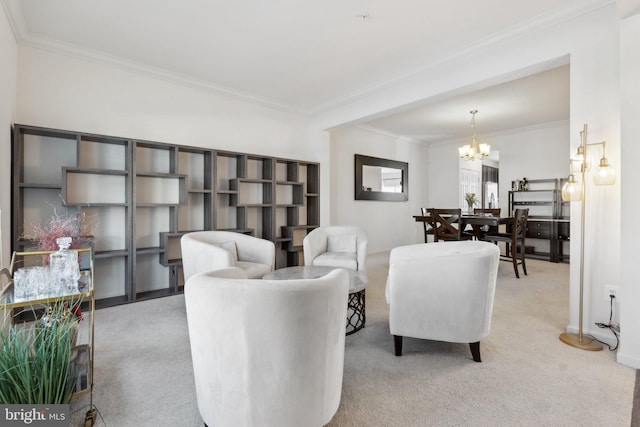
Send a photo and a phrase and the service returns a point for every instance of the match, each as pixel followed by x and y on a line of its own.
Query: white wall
pixel 537 152
pixel 8 64
pixel 69 93
pixel 629 352
pixel 63 92
pixel 388 224
pixel 534 153
pixel 443 175
pixel 591 43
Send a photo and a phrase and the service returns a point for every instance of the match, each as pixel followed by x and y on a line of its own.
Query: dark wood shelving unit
pixel 147 194
pixel 549 218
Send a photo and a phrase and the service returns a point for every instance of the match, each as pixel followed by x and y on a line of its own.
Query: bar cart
pixel 82 355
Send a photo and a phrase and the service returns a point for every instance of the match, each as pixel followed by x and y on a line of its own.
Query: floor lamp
pixel 577 191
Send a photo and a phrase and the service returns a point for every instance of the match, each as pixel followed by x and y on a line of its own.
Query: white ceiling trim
pixel 15 18
pixel 533 25
pixel 82 53
pixel 389 134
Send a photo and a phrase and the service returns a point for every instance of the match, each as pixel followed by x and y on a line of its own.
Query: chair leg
pixel 524 266
pixel 475 351
pixel 514 259
pixel 397 341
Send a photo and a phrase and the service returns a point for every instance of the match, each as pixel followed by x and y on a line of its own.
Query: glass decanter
pixel 64 265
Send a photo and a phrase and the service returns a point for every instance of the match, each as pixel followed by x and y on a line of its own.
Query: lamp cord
pixel 612 326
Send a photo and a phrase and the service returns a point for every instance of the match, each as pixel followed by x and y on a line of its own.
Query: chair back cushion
pixel 230 247
pixel 342 243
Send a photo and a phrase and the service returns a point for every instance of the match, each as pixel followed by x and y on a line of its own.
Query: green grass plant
pixel 35 363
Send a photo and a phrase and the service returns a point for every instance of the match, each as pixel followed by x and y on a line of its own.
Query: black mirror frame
pixel 360 194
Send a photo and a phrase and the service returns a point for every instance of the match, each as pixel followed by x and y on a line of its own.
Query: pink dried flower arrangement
pixel 76 226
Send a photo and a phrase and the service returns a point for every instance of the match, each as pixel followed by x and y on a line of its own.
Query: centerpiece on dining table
pixel 471 200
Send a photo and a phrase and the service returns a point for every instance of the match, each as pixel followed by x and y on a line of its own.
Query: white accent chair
pixel 267 352
pixel 442 292
pixel 212 250
pixel 341 246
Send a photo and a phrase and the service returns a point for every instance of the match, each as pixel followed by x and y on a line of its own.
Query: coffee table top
pixel 357 279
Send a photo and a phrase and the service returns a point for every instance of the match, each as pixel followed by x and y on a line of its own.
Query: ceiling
pixel 311 56
pixel 533 100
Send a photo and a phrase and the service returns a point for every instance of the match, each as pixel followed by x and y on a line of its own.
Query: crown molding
pixel 534 24
pixel 14 15
pixel 379 131
pixel 102 58
pixel 25 38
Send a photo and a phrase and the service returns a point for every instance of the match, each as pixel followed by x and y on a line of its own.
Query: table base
pixel 356 316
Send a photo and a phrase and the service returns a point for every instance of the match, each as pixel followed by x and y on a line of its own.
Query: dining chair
pixel 514 239
pixel 426 224
pixel 489 228
pixel 442 222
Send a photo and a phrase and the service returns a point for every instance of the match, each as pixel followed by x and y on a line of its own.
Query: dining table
pixel 477 222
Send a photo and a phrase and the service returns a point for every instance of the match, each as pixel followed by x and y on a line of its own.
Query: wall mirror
pixel 381 179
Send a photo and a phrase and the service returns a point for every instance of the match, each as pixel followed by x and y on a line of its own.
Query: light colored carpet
pixel 528 377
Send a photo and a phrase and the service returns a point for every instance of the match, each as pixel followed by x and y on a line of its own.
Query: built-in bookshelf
pixel 145 195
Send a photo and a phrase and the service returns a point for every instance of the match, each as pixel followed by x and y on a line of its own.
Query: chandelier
pixel 474 150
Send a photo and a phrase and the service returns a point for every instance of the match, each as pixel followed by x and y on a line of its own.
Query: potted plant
pixel 35 361
pixel 471 200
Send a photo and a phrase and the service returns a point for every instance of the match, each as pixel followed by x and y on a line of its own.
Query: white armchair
pixel 212 250
pixel 442 292
pixel 267 352
pixel 336 246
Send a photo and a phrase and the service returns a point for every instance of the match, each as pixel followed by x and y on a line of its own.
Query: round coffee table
pixel 356 317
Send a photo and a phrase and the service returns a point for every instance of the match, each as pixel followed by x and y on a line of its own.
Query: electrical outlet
pixel 611 290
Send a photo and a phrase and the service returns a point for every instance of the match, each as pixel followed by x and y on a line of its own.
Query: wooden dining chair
pixel 487 229
pixel 426 224
pixel 514 239
pixel 445 224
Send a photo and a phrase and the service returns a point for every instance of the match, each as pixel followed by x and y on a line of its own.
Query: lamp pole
pixel 579 340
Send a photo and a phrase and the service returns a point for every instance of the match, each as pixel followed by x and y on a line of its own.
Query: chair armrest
pixel 361 250
pixel 313 245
